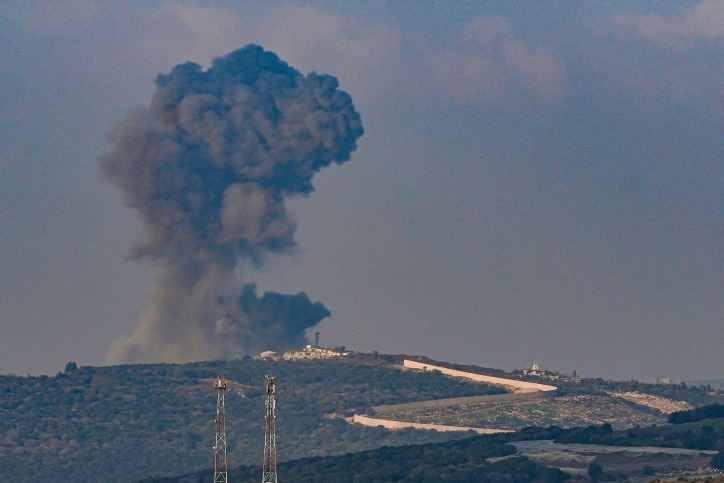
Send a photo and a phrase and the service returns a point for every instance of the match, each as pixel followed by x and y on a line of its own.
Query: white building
pixel 312 352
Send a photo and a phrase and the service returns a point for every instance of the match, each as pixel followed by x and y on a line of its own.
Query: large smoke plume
pixel 208 166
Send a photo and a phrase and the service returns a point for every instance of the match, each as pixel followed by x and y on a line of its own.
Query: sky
pixel 537 181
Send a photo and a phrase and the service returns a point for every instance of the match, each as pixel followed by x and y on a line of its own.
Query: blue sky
pixel 536 181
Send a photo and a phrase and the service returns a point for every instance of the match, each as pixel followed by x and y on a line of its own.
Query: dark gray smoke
pixel 208 166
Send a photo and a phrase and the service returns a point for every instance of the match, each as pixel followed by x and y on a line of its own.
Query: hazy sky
pixel 537 180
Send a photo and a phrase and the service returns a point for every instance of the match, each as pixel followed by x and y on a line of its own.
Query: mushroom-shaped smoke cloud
pixel 208 166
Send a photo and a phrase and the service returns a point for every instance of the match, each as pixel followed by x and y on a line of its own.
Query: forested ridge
pixel 465 460
pixel 129 422
pixel 120 423
pixel 456 461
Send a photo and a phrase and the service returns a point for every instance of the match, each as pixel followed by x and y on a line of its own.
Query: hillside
pixel 572 402
pixel 535 454
pixel 456 461
pixel 128 422
pixel 121 423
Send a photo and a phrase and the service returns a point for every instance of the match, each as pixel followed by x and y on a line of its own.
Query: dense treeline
pixel 696 395
pixel 697 414
pixel 707 435
pixel 718 460
pixel 703 434
pixel 458 461
pixel 124 422
pixel 463 460
pixel 120 423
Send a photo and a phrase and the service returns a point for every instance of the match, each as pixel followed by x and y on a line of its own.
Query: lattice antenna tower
pixel 220 467
pixel 270 432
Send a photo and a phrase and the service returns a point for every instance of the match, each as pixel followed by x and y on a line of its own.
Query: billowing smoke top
pixel 208 166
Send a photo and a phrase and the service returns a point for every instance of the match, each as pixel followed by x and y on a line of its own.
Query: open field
pixel 565 412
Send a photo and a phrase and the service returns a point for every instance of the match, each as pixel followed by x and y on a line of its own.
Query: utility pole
pixel 270 436
pixel 220 468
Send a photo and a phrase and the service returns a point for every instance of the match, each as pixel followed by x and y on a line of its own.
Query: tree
pixel 718 461
pixel 595 471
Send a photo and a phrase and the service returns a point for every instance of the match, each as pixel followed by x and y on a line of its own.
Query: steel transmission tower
pixel 270 432
pixel 220 468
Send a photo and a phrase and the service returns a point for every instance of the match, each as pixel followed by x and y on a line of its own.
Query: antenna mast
pixel 220 468
pixel 270 432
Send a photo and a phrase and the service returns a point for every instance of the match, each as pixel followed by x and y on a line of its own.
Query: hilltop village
pixel 310 351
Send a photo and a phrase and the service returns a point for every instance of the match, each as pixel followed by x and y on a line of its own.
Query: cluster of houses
pixel 308 352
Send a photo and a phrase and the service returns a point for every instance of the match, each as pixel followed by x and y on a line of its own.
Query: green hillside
pixel 122 423
pixel 466 460
pixel 456 461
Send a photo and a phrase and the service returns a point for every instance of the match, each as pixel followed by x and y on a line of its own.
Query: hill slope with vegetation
pixel 127 422
pixel 455 461
pixel 122 423
pixel 467 459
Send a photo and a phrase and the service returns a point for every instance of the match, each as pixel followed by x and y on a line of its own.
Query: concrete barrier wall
pixel 386 423
pixel 534 391
pixel 481 378
pixel 460 401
